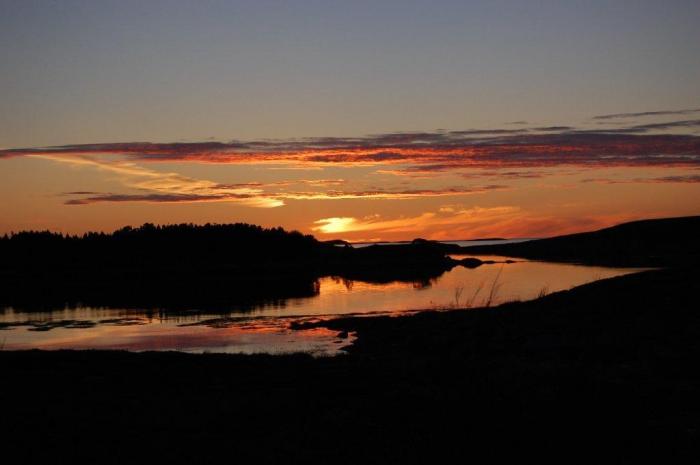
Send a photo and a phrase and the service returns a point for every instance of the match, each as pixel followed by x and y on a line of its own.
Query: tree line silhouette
pixel 161 247
pixel 187 264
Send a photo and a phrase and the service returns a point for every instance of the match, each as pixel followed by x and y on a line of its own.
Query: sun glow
pixel 334 225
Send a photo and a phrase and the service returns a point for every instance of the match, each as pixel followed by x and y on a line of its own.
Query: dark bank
pixel 604 372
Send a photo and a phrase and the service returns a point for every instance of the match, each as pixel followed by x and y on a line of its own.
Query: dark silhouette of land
pixel 659 242
pixel 216 266
pixel 606 372
pixel 184 266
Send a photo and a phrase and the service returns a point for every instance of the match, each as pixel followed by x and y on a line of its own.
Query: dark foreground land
pixel 607 372
pixel 604 373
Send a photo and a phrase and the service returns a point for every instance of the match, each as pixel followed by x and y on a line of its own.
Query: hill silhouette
pixel 656 242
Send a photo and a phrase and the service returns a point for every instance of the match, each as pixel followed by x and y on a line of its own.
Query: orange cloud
pixel 426 152
pixel 672 179
pixel 167 187
pixel 164 186
pixel 454 222
pixel 389 195
pixel 475 215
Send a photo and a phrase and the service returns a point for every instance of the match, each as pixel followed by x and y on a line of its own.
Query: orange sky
pixel 519 181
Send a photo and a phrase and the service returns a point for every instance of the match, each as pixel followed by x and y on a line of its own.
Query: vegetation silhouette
pixel 603 372
pixel 216 266
pixel 210 266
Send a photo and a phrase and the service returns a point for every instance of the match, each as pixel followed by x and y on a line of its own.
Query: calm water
pixel 461 243
pixel 266 329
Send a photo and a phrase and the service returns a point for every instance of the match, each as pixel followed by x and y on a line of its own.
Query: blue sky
pixel 101 71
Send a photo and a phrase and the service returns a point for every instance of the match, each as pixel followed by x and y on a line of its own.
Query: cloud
pixel 162 186
pixel 483 132
pixel 694 178
pixel 276 199
pixel 81 193
pixel 166 187
pixel 675 179
pixel 174 198
pixel 505 174
pixel 502 154
pixel 321 182
pixel 648 113
pixel 390 195
pixel 421 152
pixel 452 222
pixel 691 123
pixel 335 225
pixel 554 128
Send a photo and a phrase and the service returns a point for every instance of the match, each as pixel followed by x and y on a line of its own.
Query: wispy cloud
pixel 162 186
pixel 684 124
pixel 505 174
pixel 499 154
pixel 648 113
pixel 631 145
pixel 249 199
pixel 454 221
pixel 268 200
pixel 559 146
pixel 674 179
pixel 166 187
pixel 335 225
pixel 391 194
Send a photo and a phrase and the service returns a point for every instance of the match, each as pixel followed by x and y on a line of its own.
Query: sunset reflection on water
pixel 267 327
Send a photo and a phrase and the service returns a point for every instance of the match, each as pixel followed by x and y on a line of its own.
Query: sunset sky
pixel 357 120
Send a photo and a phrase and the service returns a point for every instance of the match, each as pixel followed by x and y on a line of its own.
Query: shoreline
pixel 604 366
pixel 603 372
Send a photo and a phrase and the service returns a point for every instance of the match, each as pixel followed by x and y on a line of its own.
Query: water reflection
pixel 265 327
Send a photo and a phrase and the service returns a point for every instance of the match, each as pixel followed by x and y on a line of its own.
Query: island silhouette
pixel 210 266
